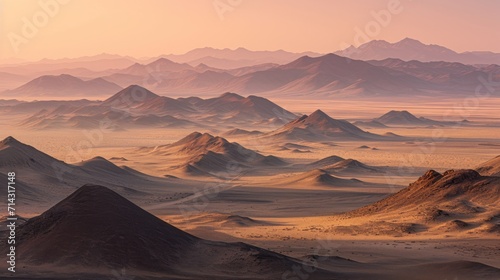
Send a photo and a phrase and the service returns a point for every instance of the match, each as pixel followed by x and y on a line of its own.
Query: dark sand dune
pixel 95 230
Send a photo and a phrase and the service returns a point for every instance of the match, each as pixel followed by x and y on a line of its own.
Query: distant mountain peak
pixel 134 87
pixel 232 95
pixel 396 112
pixel 408 40
pixel 379 43
pixel 131 95
pixel 318 117
pixel 319 114
pixel 163 60
pixel 409 49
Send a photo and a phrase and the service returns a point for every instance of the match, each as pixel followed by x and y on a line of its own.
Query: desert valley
pixel 376 161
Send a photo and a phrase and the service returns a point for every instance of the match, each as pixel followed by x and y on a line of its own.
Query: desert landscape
pixel 378 160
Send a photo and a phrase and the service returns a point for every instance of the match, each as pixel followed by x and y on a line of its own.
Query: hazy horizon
pixel 32 29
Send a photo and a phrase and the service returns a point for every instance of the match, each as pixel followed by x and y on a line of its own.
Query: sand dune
pixel 319 126
pixel 405 118
pixel 455 201
pixel 352 166
pixel 490 168
pixel 26 195
pixel 49 179
pixel 433 187
pixel 14 154
pixel 327 161
pixel 223 220
pixel 95 229
pixel 202 154
pixel 319 177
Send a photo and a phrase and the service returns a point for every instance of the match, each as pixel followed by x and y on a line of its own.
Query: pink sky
pixel 75 28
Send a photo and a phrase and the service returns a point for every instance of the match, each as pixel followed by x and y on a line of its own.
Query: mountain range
pixel 299 74
pixel 63 86
pixel 136 106
pixel 321 76
pixel 236 58
pixel 410 49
